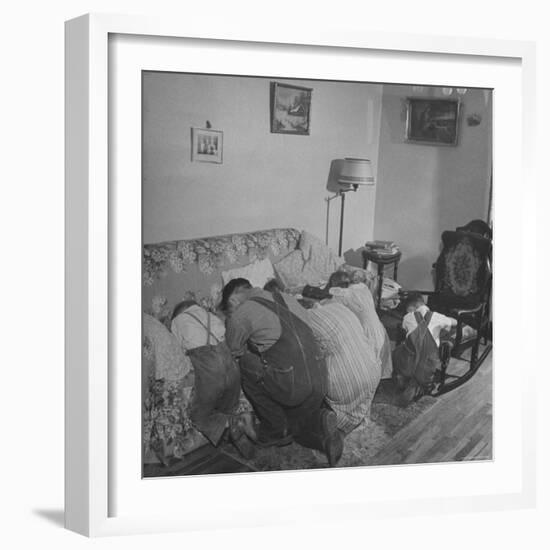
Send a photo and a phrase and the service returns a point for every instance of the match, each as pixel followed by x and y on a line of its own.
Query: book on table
pixel 377 244
pixel 383 249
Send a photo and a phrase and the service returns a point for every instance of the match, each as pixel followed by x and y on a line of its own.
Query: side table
pixel 381 261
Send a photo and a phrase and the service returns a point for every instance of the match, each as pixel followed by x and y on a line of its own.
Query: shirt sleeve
pixel 238 331
pixel 216 326
pixel 409 323
pixel 445 322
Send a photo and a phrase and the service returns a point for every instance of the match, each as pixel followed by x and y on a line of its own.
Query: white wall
pixel 426 189
pixel 266 180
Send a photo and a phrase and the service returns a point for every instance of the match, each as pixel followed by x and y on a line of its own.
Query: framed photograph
pixel 140 216
pixel 206 145
pixel 290 109
pixel 433 121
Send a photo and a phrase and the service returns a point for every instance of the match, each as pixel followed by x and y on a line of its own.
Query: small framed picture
pixel 290 109
pixel 206 145
pixel 432 121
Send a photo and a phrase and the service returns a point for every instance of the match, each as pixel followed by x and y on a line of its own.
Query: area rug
pixel 386 419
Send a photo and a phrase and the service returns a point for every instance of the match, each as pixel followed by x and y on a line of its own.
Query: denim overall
pixel 287 382
pixel 415 360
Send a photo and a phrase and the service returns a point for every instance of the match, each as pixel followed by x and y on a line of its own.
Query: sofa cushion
pixel 290 270
pixel 258 273
pixel 318 256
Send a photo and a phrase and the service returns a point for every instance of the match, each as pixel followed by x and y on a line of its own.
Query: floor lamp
pixel 349 174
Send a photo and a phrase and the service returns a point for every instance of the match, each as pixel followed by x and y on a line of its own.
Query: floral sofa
pixel 192 269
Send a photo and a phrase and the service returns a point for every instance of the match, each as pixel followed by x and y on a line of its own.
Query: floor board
pixel 458 427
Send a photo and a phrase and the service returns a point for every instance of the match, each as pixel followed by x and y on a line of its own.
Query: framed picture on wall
pixel 290 109
pixel 432 121
pixel 206 145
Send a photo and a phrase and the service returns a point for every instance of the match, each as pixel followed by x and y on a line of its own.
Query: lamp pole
pixel 343 195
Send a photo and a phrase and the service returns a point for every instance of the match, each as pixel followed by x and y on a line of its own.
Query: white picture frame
pixel 92 207
pixel 206 145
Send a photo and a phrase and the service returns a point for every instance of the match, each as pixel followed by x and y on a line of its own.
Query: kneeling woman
pixel 357 297
pixel 353 368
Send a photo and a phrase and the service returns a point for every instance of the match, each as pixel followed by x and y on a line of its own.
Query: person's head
pixel 413 301
pixel 233 294
pixel 339 279
pixel 273 286
pixel 182 306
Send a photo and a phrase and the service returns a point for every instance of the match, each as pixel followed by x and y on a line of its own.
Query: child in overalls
pixel 217 387
pixel 416 359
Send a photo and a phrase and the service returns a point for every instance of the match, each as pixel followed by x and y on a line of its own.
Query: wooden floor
pixel 458 427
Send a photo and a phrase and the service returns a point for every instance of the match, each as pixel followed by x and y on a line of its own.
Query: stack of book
pixel 382 248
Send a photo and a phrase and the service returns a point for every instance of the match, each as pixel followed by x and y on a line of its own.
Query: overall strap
pixel 422 326
pixel 207 327
pixel 277 296
pixel 287 318
pixel 418 335
pixel 423 320
pixel 264 302
pixel 278 306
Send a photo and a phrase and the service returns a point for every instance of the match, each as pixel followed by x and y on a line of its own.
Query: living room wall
pixel 266 180
pixel 425 189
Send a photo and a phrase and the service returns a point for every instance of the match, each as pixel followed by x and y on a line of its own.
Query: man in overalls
pixel 282 371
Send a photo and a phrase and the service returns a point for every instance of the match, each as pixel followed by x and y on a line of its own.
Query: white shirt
pixel 437 323
pixel 191 333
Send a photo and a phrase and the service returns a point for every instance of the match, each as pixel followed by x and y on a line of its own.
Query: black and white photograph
pixel 314 303
pixel 207 145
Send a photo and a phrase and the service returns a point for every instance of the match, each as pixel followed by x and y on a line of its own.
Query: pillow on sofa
pixel 311 263
pixel 320 260
pixel 290 270
pixel 258 273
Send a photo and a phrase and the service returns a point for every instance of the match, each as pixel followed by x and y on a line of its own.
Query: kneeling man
pixel 282 372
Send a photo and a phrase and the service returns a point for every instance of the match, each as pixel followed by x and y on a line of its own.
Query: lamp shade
pixel 354 171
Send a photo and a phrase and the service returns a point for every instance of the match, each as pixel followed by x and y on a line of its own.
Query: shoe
pixel 246 422
pixel 334 447
pixel 243 423
pixel 333 440
pixel 244 446
pixel 239 437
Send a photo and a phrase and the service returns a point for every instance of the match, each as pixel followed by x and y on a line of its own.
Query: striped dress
pixel 358 298
pixel 353 368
